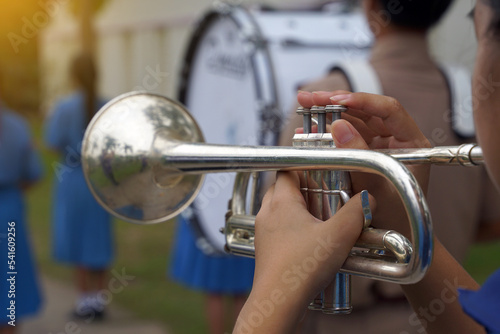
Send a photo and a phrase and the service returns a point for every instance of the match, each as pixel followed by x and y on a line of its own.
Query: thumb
pixel 346 136
pixel 345 227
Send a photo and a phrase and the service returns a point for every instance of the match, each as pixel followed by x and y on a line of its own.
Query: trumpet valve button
pixel 306 118
pixel 335 110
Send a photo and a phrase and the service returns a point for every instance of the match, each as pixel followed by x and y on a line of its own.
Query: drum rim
pixel 242 17
pixel 264 76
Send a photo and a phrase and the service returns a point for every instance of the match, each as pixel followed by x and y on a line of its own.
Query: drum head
pixel 221 96
pixel 242 69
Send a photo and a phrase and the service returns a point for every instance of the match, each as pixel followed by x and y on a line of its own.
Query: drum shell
pixel 240 75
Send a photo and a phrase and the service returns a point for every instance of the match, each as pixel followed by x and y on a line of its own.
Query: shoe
pixel 82 313
pixel 88 316
pixel 88 312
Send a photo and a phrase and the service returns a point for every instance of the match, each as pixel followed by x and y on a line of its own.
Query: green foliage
pixel 483 260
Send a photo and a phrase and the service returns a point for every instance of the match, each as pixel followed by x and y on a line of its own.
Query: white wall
pixel 57 43
pixel 149 36
pixel 141 43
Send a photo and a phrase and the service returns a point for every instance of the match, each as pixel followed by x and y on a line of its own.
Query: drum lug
pixel 240 234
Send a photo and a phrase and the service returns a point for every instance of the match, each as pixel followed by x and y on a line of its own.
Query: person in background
pixel 20 167
pixel 462 201
pixel 219 276
pixel 82 229
pixel 378 122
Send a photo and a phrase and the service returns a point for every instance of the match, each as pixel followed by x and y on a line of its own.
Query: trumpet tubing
pixel 144 160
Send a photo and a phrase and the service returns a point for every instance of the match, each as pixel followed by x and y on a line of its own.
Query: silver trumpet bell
pixel 144 157
pixel 124 164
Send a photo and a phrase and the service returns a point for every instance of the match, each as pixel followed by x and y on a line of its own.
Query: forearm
pixel 488 232
pixel 272 310
pixel 435 298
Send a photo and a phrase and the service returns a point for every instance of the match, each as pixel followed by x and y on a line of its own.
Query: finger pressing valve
pixel 367 212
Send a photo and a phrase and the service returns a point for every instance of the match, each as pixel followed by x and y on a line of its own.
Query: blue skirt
pixel 21 287
pixel 82 231
pixel 224 274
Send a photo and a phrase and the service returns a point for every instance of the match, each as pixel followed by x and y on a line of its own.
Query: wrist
pixel 271 309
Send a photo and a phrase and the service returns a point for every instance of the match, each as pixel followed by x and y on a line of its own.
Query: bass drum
pixel 240 76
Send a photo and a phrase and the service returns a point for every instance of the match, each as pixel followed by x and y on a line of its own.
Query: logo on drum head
pixel 228 65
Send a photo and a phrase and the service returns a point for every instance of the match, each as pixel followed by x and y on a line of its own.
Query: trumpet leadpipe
pixel 197 158
pixel 465 155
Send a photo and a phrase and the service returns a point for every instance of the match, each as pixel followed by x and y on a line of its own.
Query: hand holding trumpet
pixel 288 238
pixel 375 122
pixel 158 176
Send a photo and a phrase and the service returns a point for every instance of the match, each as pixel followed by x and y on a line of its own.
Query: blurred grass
pixel 483 260
pixel 143 251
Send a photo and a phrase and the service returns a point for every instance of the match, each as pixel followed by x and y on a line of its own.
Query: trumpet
pixel 144 159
